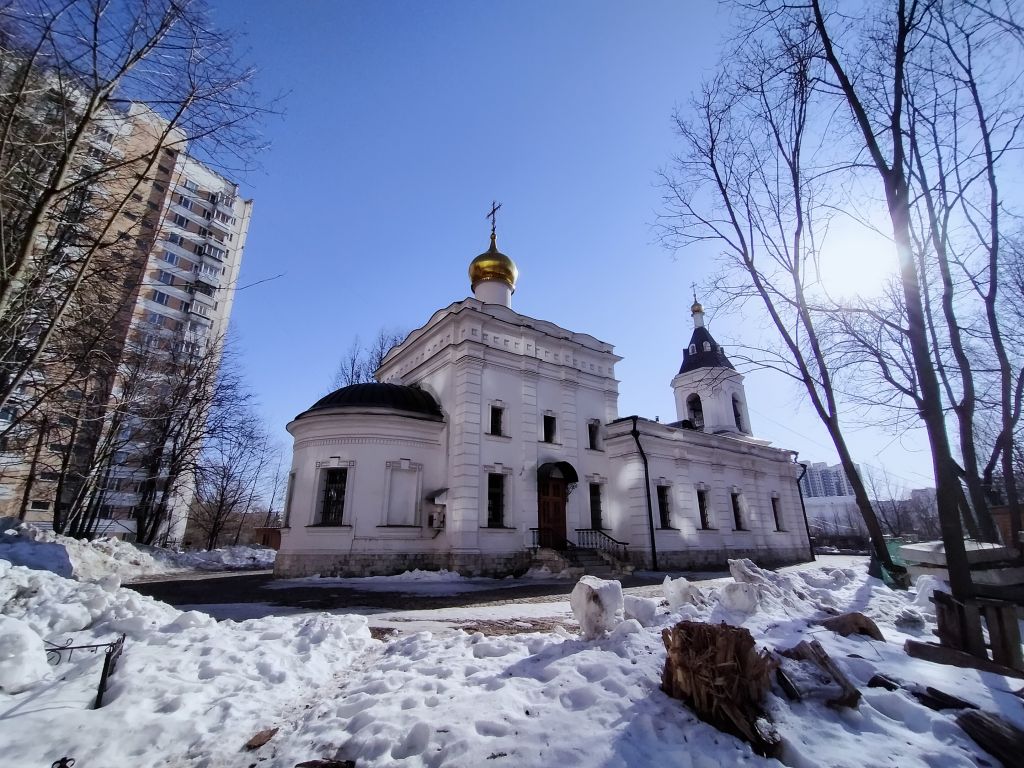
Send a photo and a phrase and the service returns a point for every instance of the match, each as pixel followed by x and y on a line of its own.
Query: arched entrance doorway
pixel 555 481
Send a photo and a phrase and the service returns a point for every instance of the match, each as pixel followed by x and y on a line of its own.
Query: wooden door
pixel 551 496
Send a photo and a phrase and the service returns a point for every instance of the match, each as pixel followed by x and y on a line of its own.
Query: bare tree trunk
pixel 32 467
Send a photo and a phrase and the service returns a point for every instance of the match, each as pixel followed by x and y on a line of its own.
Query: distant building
pixel 184 227
pixel 822 480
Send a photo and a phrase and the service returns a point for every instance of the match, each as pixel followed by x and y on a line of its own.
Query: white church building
pixel 491 439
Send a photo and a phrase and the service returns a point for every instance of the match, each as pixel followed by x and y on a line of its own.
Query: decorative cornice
pixel 319 442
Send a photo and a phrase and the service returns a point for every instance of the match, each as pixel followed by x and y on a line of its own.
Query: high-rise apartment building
pixel 822 480
pixel 172 290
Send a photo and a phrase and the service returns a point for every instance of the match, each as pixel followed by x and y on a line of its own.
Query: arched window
pixel 696 411
pixel 737 413
pixel 693 349
pixel 707 346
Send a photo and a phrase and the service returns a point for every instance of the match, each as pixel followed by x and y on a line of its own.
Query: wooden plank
pixel 1003 633
pixel 993 734
pixel 940 654
pixel 812 651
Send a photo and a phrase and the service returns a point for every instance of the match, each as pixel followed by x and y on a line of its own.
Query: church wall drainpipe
pixel 803 507
pixel 647 485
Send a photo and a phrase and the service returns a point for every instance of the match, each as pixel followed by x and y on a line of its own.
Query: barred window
pixel 332 503
pixel 495 500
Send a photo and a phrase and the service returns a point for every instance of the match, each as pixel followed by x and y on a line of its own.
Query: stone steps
pixel 588 562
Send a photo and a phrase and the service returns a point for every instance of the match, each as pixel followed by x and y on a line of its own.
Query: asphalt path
pixel 197 589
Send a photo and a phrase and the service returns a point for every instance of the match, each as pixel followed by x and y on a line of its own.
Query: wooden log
pixel 812 651
pixel 853 623
pixel 1002 740
pixel 938 700
pixel 940 654
pixel 881 681
pixel 261 738
pixel 787 685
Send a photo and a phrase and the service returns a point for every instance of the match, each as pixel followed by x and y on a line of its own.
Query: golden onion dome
pixel 493 265
pixel 697 307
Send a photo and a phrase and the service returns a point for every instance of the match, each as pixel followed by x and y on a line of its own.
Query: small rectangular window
pixel 40 506
pixel 549 429
pixel 777 513
pixel 163 169
pixel 165 277
pixel 495 500
pixel 702 507
pixel 180 220
pixel 496 413
pixel 593 433
pixel 737 512
pixel 663 506
pixel 161 298
pixel 332 502
pixel 595 507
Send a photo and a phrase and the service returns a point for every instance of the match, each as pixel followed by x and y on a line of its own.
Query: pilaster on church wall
pixel 464 499
pixel 528 425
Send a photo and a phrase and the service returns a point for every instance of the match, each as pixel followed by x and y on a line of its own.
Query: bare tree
pixel 746 181
pixel 233 468
pixel 923 103
pixel 359 364
pixel 73 75
pixel 197 396
pixel 888 497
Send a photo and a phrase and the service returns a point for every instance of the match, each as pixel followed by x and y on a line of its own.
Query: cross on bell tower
pixel 493 216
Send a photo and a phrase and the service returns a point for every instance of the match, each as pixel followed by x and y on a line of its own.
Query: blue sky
pixel 403 120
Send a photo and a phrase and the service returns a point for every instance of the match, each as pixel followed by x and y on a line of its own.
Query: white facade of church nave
pixel 417 488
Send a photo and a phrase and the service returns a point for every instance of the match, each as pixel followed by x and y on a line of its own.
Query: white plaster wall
pixel 682 459
pixel 365 442
pixel 473 356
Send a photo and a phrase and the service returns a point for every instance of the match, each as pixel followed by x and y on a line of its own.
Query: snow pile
pixel 84 560
pixel 93 560
pixel 185 684
pixel 643 609
pixel 597 605
pixel 806 592
pixel 22 656
pixel 680 592
pixel 224 559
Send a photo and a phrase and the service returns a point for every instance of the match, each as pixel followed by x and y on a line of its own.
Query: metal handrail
pixel 566 547
pixel 594 538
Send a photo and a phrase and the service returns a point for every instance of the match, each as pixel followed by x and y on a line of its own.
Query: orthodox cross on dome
pixel 694 287
pixel 493 215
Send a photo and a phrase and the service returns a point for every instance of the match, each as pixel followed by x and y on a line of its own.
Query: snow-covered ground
pixel 190 691
pixel 92 560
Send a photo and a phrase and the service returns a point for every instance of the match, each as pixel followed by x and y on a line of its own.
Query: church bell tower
pixel 492 274
pixel 708 389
